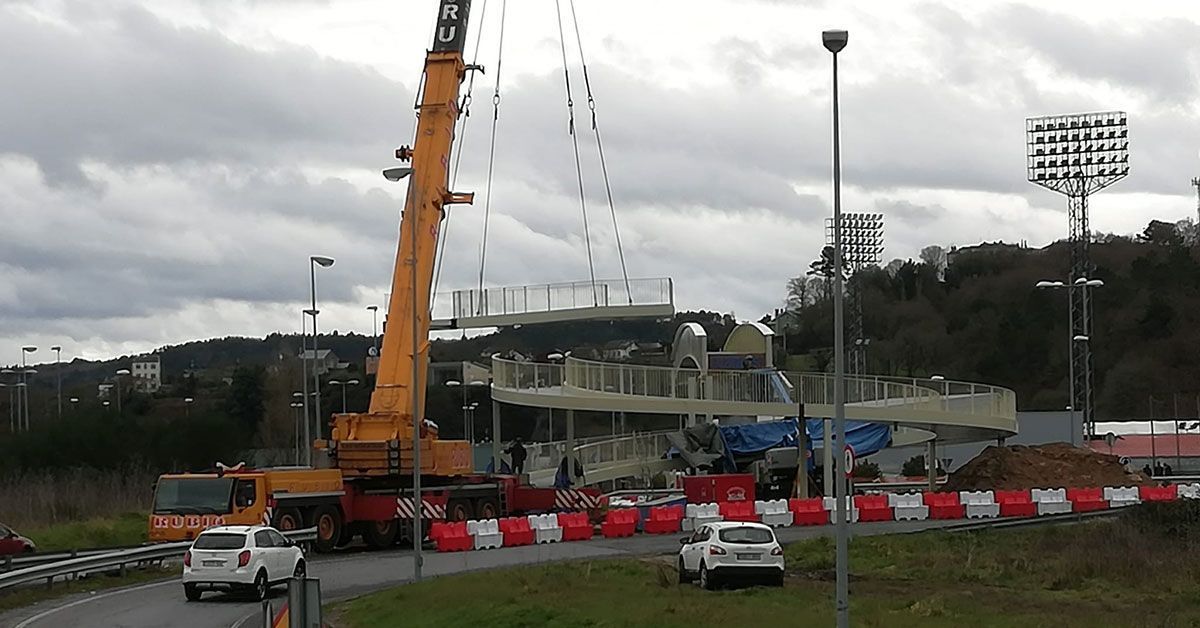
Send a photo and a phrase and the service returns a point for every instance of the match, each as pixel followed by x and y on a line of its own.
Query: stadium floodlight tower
pixel 1078 155
pixel 862 246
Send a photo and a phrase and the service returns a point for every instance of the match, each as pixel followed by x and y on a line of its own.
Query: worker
pixel 517 451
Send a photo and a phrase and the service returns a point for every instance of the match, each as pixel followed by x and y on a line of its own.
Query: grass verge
pixel 1134 571
pixel 126 529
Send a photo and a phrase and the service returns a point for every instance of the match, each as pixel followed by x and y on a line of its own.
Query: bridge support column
pixel 931 463
pixel 827 459
pixel 571 446
pixel 497 440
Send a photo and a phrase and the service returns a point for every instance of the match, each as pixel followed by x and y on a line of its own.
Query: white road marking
pixel 93 598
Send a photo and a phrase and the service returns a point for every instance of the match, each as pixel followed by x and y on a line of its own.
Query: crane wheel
pixel 380 534
pixel 487 508
pixel 329 524
pixel 459 510
pixel 287 519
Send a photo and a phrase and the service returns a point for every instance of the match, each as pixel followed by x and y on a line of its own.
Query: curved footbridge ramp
pixel 918 409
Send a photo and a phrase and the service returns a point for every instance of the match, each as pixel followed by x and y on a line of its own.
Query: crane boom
pixel 379 441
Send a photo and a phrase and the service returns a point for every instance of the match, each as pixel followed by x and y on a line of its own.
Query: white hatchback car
pixel 731 552
pixel 244 558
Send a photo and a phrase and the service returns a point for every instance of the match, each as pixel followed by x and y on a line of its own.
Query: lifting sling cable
pixel 465 116
pixel 587 238
pixel 487 202
pixel 600 148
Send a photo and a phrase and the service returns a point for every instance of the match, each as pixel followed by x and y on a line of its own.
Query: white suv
pixel 730 552
pixel 247 558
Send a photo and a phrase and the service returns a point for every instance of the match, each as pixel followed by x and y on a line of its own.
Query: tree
pixel 246 403
pixel 798 294
pixel 935 257
pixel 914 466
pixel 1161 233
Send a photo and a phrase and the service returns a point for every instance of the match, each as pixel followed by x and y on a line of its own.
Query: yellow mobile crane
pixel 376 457
pixel 379 442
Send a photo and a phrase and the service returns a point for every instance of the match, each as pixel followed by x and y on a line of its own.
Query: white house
pixel 147 374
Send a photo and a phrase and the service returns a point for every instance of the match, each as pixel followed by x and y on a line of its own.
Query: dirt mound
pixel 1042 466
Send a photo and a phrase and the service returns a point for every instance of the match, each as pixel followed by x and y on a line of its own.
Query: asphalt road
pixel 162 603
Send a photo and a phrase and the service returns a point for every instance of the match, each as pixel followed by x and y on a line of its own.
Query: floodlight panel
pixel 1079 153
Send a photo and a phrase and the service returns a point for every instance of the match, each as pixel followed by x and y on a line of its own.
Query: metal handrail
pixel 8 563
pixel 551 297
pixel 754 386
pixel 119 559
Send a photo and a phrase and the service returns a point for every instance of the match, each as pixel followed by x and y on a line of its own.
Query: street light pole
pixel 1081 283
pixel 835 41
pixel 374 328
pixel 313 262
pixel 24 392
pixel 58 375
pixel 120 373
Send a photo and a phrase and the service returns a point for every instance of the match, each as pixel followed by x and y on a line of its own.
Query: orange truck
pixel 379 456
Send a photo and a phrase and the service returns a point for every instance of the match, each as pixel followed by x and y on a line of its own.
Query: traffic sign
pixel 848 460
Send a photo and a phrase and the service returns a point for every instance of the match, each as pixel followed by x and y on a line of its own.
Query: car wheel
pixel 261 587
pixel 706 580
pixel 299 571
pixel 684 578
pixel 192 592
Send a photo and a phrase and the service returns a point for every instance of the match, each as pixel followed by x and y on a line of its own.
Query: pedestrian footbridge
pixel 919 410
pixel 604 299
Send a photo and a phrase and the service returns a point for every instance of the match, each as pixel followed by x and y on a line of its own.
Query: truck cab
pixel 186 504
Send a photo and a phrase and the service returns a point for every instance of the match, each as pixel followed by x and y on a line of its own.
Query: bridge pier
pixel 931 463
pixel 571 447
pixel 497 440
pixel 827 458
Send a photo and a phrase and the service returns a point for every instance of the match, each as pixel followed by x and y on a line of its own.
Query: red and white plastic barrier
pixel 696 515
pixel 980 504
pixel 546 528
pixel 908 506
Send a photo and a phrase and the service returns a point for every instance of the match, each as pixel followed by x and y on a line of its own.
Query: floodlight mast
pixel 1077 155
pixel 862 246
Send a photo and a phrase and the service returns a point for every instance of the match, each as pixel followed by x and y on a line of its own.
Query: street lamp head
pixel 56 348
pixel 353 382
pixel 29 349
pixel 335 382
pixel 373 308
pixel 122 371
pixel 188 399
pixel 312 312
pixel 1080 338
pixel 453 382
pixel 322 260
pixel 1049 284
pixel 477 382
pixel 106 403
pixel 835 41
pixel 1094 283
pixel 74 399
pixel 937 378
pixel 298 395
pixel 297 405
pixel 395 174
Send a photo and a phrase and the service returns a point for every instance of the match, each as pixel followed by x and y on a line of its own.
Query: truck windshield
pixel 193 496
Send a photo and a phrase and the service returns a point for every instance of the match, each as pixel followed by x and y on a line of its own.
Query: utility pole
pixel 1196 184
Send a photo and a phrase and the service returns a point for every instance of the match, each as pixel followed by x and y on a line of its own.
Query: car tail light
pixel 777 551
pixel 244 558
pixel 714 550
pixel 187 558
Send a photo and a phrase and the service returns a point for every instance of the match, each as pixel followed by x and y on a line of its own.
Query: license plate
pixel 749 556
pixel 214 563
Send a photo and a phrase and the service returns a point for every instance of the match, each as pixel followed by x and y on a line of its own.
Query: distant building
pixel 442 372
pixel 147 374
pixel 326 359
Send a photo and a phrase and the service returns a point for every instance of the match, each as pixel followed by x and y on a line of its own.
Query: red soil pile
pixel 1043 466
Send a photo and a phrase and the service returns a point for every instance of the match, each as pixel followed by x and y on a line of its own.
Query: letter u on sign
pixel 452 26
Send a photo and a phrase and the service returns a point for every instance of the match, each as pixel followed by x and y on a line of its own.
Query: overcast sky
pixel 167 167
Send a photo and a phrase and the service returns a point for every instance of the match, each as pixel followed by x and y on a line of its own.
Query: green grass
pixel 1112 573
pixel 97 582
pixel 126 529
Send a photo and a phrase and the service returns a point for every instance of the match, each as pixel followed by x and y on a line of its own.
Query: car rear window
pixel 219 541
pixel 747 535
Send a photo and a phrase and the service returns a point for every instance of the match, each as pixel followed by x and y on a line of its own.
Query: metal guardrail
pixel 1028 522
pixel 966 397
pixel 515 300
pixel 8 563
pixel 113 560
